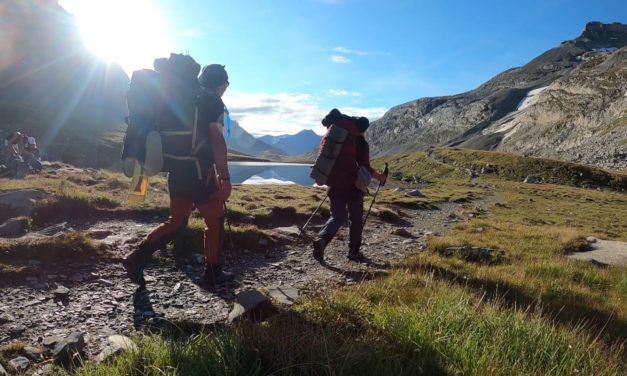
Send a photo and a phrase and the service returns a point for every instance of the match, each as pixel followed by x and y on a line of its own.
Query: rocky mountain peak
pixel 598 35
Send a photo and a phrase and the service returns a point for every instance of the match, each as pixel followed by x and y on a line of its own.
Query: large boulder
pixel 20 202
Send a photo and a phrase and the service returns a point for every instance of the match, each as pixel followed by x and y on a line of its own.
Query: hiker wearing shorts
pixel 187 192
pixel 347 200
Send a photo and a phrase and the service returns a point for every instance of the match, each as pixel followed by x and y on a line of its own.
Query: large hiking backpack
pixel 337 157
pixel 162 121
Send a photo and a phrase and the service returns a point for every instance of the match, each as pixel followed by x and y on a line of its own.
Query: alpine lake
pixel 270 173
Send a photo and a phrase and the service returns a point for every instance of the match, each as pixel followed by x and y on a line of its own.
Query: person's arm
pixel 220 157
pixel 365 161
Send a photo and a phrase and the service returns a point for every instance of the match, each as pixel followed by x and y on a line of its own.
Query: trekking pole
pixel 312 215
pixel 385 172
pixel 228 223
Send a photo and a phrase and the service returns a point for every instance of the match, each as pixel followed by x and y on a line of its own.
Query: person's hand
pixel 380 177
pixel 225 191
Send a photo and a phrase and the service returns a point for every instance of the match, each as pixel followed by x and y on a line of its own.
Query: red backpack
pixel 337 162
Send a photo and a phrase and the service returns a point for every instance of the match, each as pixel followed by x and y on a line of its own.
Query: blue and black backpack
pixel 162 120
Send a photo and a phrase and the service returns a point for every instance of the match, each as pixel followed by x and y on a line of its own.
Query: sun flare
pixel 129 32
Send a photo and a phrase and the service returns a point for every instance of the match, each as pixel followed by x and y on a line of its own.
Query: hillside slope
pixel 478 118
pixel 51 86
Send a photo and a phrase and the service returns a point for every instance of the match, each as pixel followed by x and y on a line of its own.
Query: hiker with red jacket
pixel 343 185
pixel 187 191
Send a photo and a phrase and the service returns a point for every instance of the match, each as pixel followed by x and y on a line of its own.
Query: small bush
pixel 388 215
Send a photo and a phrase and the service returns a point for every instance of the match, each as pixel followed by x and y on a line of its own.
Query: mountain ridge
pixel 242 142
pixel 461 118
pixel 295 144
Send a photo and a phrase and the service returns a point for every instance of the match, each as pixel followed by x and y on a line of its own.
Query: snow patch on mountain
pixel 530 98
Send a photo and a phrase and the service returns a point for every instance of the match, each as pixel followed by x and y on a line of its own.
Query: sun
pixel 129 32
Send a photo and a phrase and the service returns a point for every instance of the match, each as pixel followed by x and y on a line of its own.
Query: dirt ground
pixel 101 301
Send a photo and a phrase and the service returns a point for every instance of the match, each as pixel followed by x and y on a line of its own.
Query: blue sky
pixel 291 61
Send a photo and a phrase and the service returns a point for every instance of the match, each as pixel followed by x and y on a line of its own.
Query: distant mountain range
pixel 242 142
pixel 295 144
pixel 568 103
pixel 271 147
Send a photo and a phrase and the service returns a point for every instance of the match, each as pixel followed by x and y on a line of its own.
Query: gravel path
pixel 100 300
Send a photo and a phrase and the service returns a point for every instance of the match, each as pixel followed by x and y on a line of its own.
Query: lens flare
pixel 129 32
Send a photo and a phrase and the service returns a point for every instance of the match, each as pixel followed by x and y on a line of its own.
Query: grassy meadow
pixel 531 311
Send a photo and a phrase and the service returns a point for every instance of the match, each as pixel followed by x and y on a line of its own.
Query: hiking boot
pixel 134 268
pixel 318 247
pixel 135 262
pixel 354 254
pixel 215 276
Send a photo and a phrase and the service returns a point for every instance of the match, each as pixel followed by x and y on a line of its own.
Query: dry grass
pixel 16 254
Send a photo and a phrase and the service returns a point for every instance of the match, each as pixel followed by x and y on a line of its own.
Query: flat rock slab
pixel 291 230
pixel 251 304
pixel 604 252
pixel 20 363
pixel 283 295
pixel 20 202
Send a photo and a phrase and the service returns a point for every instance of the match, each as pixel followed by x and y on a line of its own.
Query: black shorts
pixel 190 189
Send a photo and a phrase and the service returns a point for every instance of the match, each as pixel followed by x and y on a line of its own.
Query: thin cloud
pixel 344 50
pixel 340 59
pixel 284 113
pixel 189 33
pixel 344 93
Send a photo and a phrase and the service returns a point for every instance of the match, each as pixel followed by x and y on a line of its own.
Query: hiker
pixel 13 146
pixel 343 185
pixel 187 191
pixel 31 155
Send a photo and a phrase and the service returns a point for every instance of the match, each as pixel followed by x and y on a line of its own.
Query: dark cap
pixel 213 76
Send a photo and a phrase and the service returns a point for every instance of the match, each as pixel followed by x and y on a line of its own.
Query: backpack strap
pixel 193 148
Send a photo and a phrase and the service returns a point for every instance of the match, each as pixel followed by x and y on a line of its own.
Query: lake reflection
pixel 270 173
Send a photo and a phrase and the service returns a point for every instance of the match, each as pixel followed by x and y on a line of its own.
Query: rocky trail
pixel 95 297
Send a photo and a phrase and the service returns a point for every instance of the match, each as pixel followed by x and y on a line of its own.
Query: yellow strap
pixel 180 158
